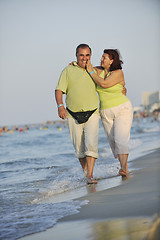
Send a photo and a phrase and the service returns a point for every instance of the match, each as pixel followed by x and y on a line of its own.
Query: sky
pixel 38 39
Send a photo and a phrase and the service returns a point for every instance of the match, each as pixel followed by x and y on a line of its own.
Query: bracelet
pixel 91 72
pixel 60 105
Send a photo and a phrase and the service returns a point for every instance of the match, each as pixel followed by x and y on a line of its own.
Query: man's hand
pixel 73 63
pixel 62 113
pixel 124 90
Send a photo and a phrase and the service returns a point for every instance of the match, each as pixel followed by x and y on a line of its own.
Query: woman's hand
pixel 89 66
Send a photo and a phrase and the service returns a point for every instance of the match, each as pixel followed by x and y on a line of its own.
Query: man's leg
pixel 91 131
pixel 87 164
pixel 90 166
pixel 83 163
pixel 77 138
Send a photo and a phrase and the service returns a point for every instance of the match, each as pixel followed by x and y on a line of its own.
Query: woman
pixel 115 108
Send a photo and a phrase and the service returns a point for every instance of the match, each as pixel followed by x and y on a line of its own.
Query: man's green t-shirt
pixel 79 88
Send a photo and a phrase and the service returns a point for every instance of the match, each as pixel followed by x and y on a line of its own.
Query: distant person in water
pixel 1 131
pixel 115 108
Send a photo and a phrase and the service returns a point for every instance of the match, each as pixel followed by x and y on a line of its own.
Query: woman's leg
pixel 108 120
pixel 83 163
pixel 123 122
pixel 123 162
pixel 117 122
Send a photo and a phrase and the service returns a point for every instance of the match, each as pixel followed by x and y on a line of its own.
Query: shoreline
pixel 136 200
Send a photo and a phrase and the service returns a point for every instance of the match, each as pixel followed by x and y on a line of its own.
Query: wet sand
pixel 128 211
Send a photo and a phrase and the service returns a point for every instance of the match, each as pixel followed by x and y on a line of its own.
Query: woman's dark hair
pixel 115 55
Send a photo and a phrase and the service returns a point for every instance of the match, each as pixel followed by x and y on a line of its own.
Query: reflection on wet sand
pixel 120 229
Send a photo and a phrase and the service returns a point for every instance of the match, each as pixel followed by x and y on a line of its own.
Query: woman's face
pixel 106 61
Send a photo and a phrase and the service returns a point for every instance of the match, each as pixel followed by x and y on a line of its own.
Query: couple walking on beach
pixel 81 82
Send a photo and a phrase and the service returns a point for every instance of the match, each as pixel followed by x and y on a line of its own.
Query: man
pixel 82 109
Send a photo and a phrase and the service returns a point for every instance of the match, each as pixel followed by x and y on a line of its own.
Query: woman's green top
pixel 112 96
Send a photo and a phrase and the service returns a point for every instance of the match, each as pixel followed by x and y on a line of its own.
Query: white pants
pixel 85 136
pixel 117 123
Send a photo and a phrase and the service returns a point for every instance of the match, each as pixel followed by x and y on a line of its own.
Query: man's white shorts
pixel 85 136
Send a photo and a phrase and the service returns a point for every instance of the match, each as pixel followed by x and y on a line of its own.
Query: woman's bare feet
pixel 122 172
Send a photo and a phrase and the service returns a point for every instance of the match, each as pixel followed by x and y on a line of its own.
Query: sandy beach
pixel 128 211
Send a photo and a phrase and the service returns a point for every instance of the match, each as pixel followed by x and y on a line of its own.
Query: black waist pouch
pixel 81 117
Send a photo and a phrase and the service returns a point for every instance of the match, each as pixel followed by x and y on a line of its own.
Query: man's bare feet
pixel 91 181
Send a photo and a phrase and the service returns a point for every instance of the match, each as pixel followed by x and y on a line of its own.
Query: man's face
pixel 83 56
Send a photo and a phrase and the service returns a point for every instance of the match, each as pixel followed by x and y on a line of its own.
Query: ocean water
pixel 40 177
